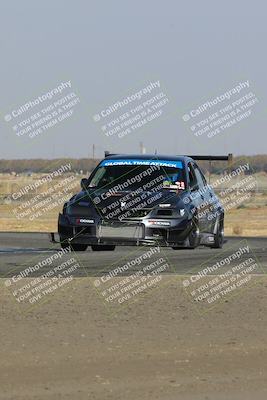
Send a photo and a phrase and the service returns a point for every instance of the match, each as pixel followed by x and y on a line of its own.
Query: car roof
pixel 147 157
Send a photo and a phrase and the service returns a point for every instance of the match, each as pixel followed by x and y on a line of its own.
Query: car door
pixel 207 199
pixel 198 199
pixel 215 209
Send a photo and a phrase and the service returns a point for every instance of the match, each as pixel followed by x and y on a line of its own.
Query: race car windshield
pixel 125 175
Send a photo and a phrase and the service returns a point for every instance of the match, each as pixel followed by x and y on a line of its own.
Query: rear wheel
pixel 102 247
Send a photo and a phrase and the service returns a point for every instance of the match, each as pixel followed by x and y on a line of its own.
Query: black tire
pixel 194 236
pixel 64 245
pixel 103 247
pixel 219 234
pixel 74 246
pixel 78 247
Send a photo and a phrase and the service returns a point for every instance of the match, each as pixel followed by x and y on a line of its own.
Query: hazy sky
pixel 111 49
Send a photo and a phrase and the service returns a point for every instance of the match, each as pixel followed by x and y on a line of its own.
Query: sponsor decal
pixel 136 162
pixel 85 221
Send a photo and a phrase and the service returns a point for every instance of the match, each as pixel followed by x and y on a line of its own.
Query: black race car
pixel 143 200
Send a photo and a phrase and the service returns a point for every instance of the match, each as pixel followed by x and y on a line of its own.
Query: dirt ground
pixel 160 347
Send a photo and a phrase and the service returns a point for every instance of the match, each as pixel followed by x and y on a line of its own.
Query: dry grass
pixel 248 220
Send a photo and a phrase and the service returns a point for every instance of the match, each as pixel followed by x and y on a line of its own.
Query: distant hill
pixel 44 166
pixel 257 162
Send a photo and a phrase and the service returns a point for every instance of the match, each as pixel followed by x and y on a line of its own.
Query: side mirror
pixel 84 183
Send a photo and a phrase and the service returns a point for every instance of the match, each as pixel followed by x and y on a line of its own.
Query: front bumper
pixel 164 232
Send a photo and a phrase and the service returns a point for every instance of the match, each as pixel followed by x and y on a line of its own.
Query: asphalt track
pixel 21 250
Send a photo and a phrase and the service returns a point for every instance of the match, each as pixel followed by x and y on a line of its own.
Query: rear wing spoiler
pixel 229 158
pixel 107 153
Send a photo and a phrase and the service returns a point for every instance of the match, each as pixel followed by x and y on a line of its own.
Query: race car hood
pixel 114 204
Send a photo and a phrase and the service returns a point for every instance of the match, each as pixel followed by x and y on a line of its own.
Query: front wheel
pixel 64 245
pixel 194 236
pixel 219 234
pixel 74 246
pixel 78 247
pixel 102 247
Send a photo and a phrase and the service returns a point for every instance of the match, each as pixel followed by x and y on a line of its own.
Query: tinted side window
pixel 201 182
pixel 203 177
pixel 192 177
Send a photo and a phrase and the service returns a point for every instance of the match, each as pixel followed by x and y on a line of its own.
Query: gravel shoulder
pixel 160 347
